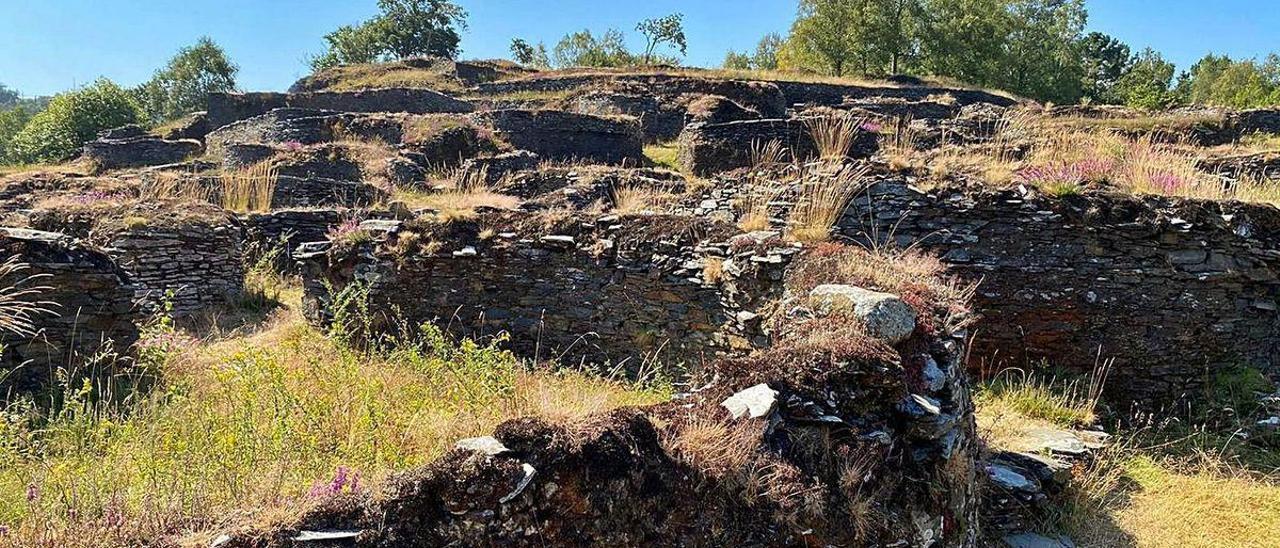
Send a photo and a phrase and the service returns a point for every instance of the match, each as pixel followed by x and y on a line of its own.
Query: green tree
pixel 766 56
pixel 582 49
pixel 1220 81
pixel 530 55
pixel 1043 45
pixel 1147 84
pixel 350 46
pixel 826 36
pixel 421 27
pixel 1106 60
pixel 737 61
pixel 964 39
pixel 403 28
pixel 12 120
pixel 72 119
pixel 8 97
pixel 183 86
pixel 663 30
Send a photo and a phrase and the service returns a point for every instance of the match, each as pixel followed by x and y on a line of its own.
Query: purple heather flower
pixel 872 126
pixel 33 492
pixel 347 227
pixel 293 146
pixel 1167 183
pixel 344 480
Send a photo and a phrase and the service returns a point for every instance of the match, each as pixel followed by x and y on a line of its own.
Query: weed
pixel 249 189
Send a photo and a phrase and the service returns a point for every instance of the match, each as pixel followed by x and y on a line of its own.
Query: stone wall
pixel 228 108
pixel 1170 289
pixel 871 409
pixel 609 290
pixel 561 135
pixel 94 308
pixel 307 127
pixel 289 228
pixel 706 149
pixel 139 152
pixel 763 97
pixel 811 93
pixel 199 260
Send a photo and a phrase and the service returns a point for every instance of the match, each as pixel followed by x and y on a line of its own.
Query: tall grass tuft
pixel 834 135
pixel 249 189
pixel 18 309
pixel 822 201
pixel 766 154
pixel 188 187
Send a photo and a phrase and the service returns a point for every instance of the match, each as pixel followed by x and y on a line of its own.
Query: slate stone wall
pixel 1172 290
pixel 201 262
pixel 706 149
pixel 617 292
pixel 228 108
pixel 562 135
pixel 94 307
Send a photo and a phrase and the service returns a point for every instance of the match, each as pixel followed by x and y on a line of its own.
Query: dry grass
pixel 766 154
pixel 181 187
pixel 899 146
pixel 249 189
pixel 715 448
pixel 469 190
pixel 1252 188
pixel 712 270
pixel 834 135
pixel 821 203
pixel 240 430
pixel 19 306
pixel 752 207
pixel 1198 505
pixel 1135 492
pixel 640 198
pixel 388 75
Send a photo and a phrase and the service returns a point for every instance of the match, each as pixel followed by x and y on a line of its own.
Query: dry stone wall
pixel 228 108
pixel 1170 289
pixel 194 265
pixel 561 135
pixel 612 290
pixel 706 149
pixel 94 307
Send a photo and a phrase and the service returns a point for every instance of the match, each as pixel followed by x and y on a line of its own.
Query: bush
pixel 11 122
pixel 71 120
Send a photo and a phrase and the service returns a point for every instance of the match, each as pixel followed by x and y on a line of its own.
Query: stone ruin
pixel 867 423
pixel 854 435
pixel 89 307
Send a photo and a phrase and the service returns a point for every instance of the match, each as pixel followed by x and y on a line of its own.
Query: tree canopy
pixel 402 29
pixel 73 118
pixel 184 84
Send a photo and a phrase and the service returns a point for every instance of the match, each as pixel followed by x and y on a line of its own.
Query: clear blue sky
pixel 51 45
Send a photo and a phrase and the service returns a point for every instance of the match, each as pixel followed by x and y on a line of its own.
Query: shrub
pixel 72 119
pixel 11 122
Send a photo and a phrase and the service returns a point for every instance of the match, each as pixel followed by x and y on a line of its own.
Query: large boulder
pixel 886 316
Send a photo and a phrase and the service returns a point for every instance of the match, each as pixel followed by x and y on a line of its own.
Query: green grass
pixel 239 430
pixel 664 155
pixel 1165 481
